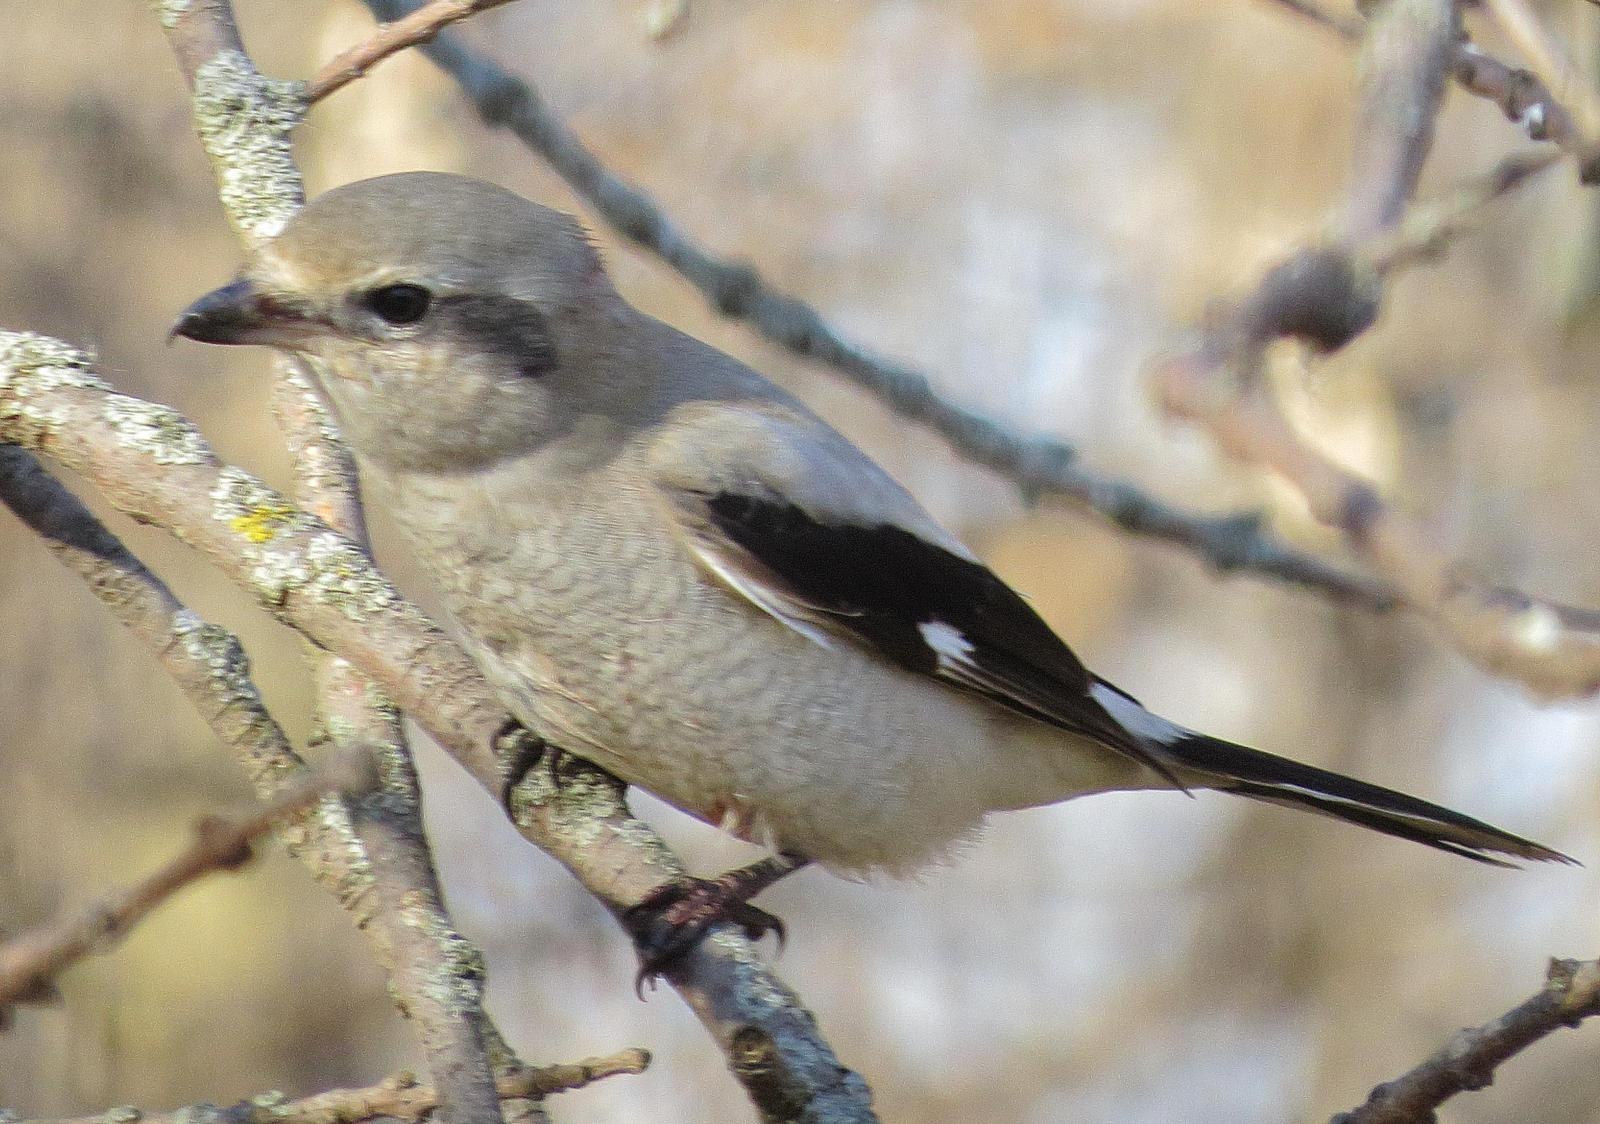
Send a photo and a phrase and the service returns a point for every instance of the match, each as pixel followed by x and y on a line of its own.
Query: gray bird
pixel 669 566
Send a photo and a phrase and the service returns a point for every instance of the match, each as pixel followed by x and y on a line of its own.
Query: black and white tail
pixel 1213 763
pixel 1277 780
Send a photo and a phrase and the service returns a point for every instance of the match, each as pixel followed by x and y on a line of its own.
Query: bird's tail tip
pixel 1277 780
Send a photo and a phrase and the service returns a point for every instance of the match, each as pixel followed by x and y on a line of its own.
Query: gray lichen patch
pixel 760 989
pixel 342 576
pixel 265 749
pixel 326 841
pixel 158 431
pixel 581 804
pixel 200 1114
pixel 456 982
pixel 219 651
pixel 244 120
pixel 32 367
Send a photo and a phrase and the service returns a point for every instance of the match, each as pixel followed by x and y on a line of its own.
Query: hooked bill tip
pixel 241 313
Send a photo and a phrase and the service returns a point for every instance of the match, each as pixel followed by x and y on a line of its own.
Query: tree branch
pixel 30 962
pixel 397 1097
pixel 1521 96
pixel 1467 1062
pixel 390 39
pixel 1406 57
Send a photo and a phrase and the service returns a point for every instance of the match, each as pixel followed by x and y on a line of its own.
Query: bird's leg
pixel 677 915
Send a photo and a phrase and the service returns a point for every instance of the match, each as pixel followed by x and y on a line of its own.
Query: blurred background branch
pixel 1327 296
pixel 1039 465
pixel 30 961
pixel 1571 994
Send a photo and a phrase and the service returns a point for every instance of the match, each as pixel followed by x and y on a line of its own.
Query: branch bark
pixel 397 1097
pixel 1467 1062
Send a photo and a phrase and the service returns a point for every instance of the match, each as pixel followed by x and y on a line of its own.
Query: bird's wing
pixel 919 603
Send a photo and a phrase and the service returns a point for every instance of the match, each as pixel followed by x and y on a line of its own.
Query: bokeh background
pixel 1028 198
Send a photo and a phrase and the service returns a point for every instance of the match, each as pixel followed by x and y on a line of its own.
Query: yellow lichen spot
pixel 260 524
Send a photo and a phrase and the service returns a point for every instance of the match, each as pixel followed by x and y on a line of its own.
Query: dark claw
pixel 525 750
pixel 677 916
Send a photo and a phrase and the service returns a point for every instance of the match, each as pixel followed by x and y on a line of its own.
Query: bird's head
pixel 454 323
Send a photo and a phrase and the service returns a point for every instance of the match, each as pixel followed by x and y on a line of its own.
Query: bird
pixel 669 566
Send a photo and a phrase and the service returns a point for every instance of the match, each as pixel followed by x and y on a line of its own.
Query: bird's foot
pixel 675 917
pixel 521 751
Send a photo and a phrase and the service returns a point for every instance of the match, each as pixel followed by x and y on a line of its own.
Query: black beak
pixel 243 313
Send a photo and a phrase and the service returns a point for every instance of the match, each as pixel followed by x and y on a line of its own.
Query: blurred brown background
pixel 1028 198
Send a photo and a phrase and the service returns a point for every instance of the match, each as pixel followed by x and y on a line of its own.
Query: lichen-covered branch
pixel 205 661
pixel 398 1097
pixel 244 121
pixel 30 962
pixel 436 976
pixel 1467 1062
pixel 1040 465
pixel 152 463
pixel 390 39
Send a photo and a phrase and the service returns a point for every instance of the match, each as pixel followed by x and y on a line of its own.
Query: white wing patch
pixel 955 663
pixel 948 643
pixel 1135 718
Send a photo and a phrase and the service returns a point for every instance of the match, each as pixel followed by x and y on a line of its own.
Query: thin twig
pixel 1346 27
pixel 1039 465
pixel 1428 229
pixel 30 962
pixel 1467 1062
pixel 397 1097
pixel 390 39
pixel 1549 61
pixel 1525 100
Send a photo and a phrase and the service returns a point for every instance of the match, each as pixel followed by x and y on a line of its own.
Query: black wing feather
pixel 883 583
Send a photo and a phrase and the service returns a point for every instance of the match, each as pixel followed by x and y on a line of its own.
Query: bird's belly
pixel 611 641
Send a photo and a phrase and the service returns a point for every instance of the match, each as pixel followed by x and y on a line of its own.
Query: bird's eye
pixel 400 304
